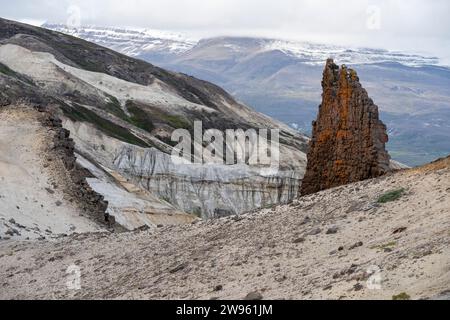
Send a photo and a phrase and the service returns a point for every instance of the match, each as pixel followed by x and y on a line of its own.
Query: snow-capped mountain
pixel 133 42
pixel 282 79
pixel 316 54
pixel 138 42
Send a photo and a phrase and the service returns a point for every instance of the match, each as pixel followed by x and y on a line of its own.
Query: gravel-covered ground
pixel 337 244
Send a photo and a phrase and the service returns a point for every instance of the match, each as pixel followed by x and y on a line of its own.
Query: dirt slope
pixel 322 246
pixel 33 203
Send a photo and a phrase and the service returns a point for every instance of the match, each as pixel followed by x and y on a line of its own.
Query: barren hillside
pixel 375 239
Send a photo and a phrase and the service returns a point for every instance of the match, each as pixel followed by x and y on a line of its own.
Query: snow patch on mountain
pixel 316 54
pixel 129 41
pixel 137 42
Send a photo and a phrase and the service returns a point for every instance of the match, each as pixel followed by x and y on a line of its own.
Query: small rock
pixel 399 230
pixel 58 203
pixel 352 269
pixel 218 288
pixel 280 278
pixel 358 287
pixel 356 245
pixel 49 190
pixel 337 275
pixel 142 228
pixel 299 240
pixel 306 220
pixel 333 230
pixel 236 218
pixel 329 287
pixel 314 232
pixel 11 232
pixel 12 221
pixel 254 296
pixel 179 267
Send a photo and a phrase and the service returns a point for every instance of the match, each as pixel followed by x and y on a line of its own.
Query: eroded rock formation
pixel 64 147
pixel 348 142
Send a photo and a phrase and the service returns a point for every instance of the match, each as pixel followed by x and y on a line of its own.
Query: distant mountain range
pixel 282 79
pixel 148 42
pixel 121 113
pixel 132 42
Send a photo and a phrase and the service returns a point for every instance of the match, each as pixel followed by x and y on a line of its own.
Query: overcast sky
pixel 411 25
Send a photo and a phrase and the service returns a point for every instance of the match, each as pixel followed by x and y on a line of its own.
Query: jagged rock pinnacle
pixel 348 142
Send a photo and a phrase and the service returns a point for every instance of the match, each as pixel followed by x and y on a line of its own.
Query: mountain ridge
pixel 296 48
pixel 413 97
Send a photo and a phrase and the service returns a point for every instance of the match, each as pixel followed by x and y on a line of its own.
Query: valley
pixel 281 78
pixel 343 243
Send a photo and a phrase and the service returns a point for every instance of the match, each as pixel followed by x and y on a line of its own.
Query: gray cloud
pixel 418 25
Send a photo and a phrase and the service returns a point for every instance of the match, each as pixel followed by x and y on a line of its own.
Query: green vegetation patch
pixel 11 73
pixel 113 106
pixel 388 245
pixel 175 121
pixel 391 196
pixel 139 117
pixel 401 296
pixel 82 114
pixel 7 71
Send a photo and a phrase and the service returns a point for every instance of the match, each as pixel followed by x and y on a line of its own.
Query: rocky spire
pixel 348 142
